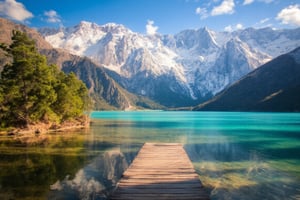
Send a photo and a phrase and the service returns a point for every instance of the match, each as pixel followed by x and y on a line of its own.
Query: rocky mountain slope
pixel 274 86
pixel 175 70
pixel 6 28
pixel 105 92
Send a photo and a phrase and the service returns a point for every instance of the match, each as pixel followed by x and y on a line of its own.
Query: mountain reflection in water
pixel 96 180
pixel 237 155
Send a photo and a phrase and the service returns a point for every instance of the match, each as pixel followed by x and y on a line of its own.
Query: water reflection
pixel 237 155
pixel 75 165
pixel 96 180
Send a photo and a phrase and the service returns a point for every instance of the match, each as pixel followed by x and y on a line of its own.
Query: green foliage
pixel 31 91
pixel 72 95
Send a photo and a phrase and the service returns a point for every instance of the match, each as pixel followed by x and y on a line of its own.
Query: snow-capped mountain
pixel 275 86
pixel 175 70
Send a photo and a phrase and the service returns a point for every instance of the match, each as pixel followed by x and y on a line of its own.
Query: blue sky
pixel 156 16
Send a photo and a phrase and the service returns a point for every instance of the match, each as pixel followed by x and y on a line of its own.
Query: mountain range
pixel 275 86
pixel 174 70
pixel 105 92
pixel 127 70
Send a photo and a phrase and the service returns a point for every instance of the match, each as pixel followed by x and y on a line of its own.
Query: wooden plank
pixel 160 186
pixel 160 171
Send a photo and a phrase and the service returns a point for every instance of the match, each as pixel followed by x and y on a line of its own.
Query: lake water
pixel 237 155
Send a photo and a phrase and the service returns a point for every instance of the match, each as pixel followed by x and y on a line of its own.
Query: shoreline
pixel 45 127
pixel 31 137
pixel 40 132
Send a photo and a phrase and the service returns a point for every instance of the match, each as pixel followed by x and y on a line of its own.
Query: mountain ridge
pixel 195 64
pixel 275 86
pixel 179 70
pixel 105 92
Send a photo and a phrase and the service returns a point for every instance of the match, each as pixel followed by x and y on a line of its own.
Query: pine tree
pixel 26 83
pixel 72 96
pixel 31 91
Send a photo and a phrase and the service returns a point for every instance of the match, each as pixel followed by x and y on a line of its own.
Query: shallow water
pixel 237 155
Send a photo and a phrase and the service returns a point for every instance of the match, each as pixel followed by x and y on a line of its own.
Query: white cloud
pixel 231 28
pixel 198 10
pixel 14 10
pixel 247 2
pixel 290 15
pixel 228 28
pixel 150 28
pixel 226 7
pixel 202 12
pixel 52 16
pixel 267 1
pixel 263 21
pixel 239 26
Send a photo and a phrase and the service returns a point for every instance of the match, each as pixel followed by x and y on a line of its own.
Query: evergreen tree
pixel 2 108
pixel 31 91
pixel 26 83
pixel 72 96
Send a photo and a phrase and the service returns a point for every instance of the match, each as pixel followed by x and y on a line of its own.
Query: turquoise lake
pixel 237 155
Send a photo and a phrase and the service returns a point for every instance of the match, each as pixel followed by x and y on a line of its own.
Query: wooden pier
pixel 160 171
